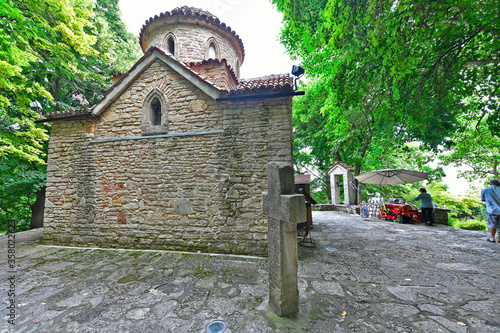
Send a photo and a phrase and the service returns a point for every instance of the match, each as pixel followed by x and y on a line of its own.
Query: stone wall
pixel 189 109
pixel 440 216
pixel 192 43
pixel 217 74
pixel 352 209
pixel 70 193
pixel 196 188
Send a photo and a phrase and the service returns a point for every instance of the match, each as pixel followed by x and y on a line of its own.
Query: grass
pixel 469 224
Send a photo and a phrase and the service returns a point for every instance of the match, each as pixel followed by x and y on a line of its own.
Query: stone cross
pixel 284 210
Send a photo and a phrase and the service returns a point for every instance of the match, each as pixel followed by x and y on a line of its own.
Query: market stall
pixel 399 212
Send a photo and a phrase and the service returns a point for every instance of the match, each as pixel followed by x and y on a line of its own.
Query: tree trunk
pixel 328 186
pixel 495 170
pixel 37 210
pixel 357 198
pixel 357 171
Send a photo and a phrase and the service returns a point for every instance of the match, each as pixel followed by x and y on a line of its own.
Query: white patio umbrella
pixel 391 176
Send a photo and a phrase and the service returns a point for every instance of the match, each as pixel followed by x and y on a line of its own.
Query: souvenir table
pixel 393 211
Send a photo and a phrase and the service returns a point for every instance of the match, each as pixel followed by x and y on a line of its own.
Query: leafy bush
pixel 471 225
pixel 19 182
pixel 15 214
pixel 452 222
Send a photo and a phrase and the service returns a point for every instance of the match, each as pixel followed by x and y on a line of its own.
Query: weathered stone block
pixel 284 210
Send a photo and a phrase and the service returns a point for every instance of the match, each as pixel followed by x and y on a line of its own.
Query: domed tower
pixel 196 38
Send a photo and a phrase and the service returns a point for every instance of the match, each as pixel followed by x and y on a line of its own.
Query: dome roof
pixel 189 13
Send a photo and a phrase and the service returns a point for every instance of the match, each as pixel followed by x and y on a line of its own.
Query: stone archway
pixel 336 171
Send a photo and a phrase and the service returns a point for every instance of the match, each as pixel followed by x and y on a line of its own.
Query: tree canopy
pixel 59 55
pixel 384 73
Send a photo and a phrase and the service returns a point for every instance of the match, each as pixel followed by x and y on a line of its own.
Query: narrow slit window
pixel 212 54
pixel 171 46
pixel 156 112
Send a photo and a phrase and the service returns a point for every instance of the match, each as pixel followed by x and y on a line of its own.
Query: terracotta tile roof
pixel 196 13
pixel 262 84
pixel 213 61
pixel 68 113
pixel 342 164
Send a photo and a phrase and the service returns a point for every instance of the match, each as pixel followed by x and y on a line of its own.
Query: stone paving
pixel 362 276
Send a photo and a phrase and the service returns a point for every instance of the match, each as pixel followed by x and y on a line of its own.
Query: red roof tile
pixel 196 13
pixel 342 164
pixel 265 83
pixel 213 61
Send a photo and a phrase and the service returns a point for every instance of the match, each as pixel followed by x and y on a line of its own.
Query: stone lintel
pixel 280 202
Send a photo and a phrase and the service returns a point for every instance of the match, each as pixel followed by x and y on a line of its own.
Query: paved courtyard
pixel 362 276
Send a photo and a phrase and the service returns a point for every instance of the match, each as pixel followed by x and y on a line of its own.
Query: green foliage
pixel 319 193
pixel 119 48
pixel 384 73
pixel 19 183
pixel 471 225
pixel 475 146
pixel 61 54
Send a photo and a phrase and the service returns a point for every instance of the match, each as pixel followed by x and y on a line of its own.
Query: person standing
pixel 491 195
pixel 427 206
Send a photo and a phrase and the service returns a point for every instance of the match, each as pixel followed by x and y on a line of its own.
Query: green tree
pixel 60 54
pixel 36 38
pixel 475 145
pixel 39 40
pixel 316 149
pixel 391 72
pixel 18 182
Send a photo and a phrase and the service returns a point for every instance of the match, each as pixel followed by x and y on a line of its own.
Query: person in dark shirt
pixel 427 206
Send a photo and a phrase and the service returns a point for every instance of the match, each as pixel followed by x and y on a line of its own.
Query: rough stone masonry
pixel 168 159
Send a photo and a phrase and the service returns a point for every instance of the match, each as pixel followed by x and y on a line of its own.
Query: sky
pixel 256 22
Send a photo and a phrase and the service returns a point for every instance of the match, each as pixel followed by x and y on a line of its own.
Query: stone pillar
pixel 284 210
pixel 334 180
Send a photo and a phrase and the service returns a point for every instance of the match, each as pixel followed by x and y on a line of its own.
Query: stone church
pixel 174 156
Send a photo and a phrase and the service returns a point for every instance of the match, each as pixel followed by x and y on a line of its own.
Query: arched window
pixel 212 49
pixel 154 113
pixel 170 44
